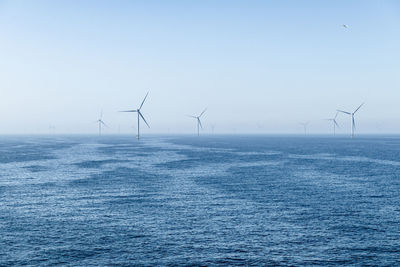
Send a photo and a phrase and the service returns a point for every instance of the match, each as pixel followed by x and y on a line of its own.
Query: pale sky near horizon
pixel 258 66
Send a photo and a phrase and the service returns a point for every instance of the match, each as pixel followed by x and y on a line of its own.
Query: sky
pixel 257 66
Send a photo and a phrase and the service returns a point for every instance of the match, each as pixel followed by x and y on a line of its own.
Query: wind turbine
pixel 198 121
pixel 139 115
pixel 100 122
pixel 305 124
pixel 212 128
pixel 353 123
pixel 334 122
pixel 52 129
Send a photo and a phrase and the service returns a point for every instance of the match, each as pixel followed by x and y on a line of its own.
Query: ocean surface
pixel 212 200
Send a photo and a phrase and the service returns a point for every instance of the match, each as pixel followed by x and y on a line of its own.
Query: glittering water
pixel 223 200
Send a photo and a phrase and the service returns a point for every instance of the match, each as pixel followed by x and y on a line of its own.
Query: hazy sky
pixel 259 66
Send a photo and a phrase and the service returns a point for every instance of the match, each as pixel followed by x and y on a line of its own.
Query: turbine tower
pixel 353 123
pixel 334 122
pixel 212 128
pixel 139 115
pixel 52 129
pixel 198 121
pixel 305 124
pixel 100 122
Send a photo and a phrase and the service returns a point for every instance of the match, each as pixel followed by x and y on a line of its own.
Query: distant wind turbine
pixel 139 115
pixel 212 128
pixel 100 122
pixel 353 123
pixel 334 122
pixel 198 121
pixel 305 125
pixel 52 129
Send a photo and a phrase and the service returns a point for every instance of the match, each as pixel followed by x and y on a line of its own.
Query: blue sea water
pixel 215 200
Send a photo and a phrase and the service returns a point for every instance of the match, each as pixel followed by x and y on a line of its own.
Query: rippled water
pixel 222 200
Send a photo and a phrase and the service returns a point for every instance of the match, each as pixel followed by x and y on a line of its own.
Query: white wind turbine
pixel 139 115
pixel 212 128
pixel 353 123
pixel 100 122
pixel 334 122
pixel 198 121
pixel 52 129
pixel 305 125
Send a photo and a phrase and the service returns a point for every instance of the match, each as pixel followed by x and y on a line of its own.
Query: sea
pixel 217 200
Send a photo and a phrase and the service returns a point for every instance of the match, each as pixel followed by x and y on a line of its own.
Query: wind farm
pixel 199 125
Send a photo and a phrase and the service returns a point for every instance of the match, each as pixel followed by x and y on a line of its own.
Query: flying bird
pixel 345 26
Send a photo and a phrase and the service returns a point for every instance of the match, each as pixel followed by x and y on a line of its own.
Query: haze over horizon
pixel 259 67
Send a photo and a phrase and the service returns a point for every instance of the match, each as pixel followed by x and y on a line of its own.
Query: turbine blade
pixel 192 116
pixel 143 100
pixel 199 121
pixel 134 110
pixel 334 121
pixel 343 111
pixel 102 122
pixel 358 108
pixel 336 115
pixel 202 112
pixel 354 123
pixel 140 113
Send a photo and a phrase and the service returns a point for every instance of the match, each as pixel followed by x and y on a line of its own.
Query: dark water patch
pixel 36 168
pixel 136 149
pixel 119 178
pixel 97 163
pixel 24 155
pixel 25 149
pixel 185 163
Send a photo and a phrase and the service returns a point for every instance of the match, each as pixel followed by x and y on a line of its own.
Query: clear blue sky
pixel 259 66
